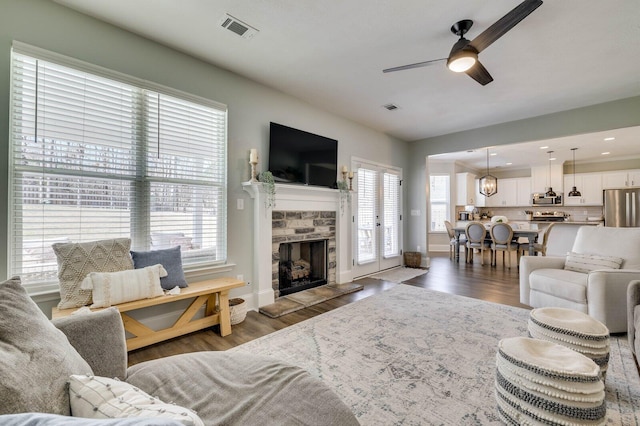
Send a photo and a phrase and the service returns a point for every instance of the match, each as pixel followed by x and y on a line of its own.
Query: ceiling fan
pixel 464 54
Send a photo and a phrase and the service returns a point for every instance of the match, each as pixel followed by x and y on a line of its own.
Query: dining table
pixel 530 234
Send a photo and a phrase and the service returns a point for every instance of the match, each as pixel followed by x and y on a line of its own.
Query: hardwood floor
pixel 496 284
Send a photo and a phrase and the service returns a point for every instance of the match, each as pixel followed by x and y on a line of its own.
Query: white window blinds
pixel 367 215
pixel 391 216
pixel 94 157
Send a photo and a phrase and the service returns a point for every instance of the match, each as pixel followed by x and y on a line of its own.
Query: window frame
pixel 446 202
pixel 192 270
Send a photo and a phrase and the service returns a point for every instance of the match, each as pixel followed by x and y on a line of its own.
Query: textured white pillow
pixel 76 260
pixel 111 288
pixel 587 262
pixel 97 397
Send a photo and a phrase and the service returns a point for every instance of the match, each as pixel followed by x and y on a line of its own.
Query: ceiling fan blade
pixel 479 73
pixel 416 65
pixel 504 24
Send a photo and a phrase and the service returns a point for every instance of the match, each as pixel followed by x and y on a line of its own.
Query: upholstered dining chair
pixel 476 239
pixel 502 240
pixel 453 242
pixel 537 247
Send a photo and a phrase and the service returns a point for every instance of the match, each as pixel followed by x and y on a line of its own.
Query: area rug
pixel 413 356
pixel 399 275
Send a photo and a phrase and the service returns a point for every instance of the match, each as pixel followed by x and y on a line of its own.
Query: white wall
pixel 252 106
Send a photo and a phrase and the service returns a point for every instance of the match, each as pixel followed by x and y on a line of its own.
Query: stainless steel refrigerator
pixel 622 207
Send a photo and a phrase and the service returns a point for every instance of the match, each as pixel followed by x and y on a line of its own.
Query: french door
pixel 377 219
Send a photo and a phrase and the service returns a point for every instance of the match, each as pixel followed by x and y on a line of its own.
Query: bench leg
pixel 225 313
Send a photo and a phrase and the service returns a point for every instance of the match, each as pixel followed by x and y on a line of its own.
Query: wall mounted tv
pixel 296 156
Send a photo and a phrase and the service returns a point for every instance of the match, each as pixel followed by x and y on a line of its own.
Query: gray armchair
pixel 598 290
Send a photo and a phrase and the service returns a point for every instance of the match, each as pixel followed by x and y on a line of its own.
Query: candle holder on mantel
pixel 351 181
pixel 253 171
pixel 344 175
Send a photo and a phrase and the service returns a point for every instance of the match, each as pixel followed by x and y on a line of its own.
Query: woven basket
pixel 412 259
pixel 238 310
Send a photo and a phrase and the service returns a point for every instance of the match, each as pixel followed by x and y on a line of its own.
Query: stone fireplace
pixel 304 250
pixel 302 214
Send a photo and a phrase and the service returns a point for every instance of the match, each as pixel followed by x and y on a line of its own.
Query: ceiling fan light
pixel 462 62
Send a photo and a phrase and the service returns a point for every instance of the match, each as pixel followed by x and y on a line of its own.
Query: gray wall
pixel 252 106
pixel 606 116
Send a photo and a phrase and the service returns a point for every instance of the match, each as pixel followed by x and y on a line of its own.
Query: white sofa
pixel 602 292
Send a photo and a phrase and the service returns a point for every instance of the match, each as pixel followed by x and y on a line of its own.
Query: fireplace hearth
pixel 302 265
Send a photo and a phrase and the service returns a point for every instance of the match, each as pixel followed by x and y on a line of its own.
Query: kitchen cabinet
pixel 620 179
pixel 512 192
pixel 540 178
pixel 589 185
pixel 480 199
pixel 465 189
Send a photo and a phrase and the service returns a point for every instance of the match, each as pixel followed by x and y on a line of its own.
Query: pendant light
pixel 488 184
pixel 550 192
pixel 574 192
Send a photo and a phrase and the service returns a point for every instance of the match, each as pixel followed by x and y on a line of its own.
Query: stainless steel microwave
pixel 540 199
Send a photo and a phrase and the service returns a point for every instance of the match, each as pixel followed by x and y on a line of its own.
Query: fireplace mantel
pixel 293 198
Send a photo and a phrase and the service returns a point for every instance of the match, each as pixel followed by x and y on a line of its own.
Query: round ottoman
pixel 540 382
pixel 573 329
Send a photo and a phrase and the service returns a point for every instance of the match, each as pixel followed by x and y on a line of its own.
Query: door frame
pixel 381 262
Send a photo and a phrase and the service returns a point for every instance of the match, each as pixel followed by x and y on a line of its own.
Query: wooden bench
pixel 214 293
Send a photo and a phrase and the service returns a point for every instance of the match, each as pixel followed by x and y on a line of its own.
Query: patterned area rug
pixel 419 357
pixel 399 275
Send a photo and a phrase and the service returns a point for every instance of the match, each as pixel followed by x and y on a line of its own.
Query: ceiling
pixel 566 54
pixel 593 147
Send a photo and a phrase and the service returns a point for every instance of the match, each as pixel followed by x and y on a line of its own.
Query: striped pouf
pixel 573 329
pixel 542 383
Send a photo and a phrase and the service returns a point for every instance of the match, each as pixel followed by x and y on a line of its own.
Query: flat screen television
pixel 300 157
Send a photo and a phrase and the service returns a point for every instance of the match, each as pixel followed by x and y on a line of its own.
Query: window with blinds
pixel 95 157
pixel 367 215
pixel 391 218
pixel 439 202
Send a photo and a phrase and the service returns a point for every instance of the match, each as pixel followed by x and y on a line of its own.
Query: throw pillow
pixel 111 288
pixel 103 398
pixel 587 262
pixel 77 260
pixel 36 358
pixel 171 259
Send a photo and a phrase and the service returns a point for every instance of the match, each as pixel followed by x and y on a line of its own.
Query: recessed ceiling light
pixel 493 154
pixel 508 164
pixel 610 139
pixel 552 158
pixel 544 147
pixel 606 153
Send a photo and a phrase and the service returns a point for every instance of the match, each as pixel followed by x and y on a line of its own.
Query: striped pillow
pixel 587 262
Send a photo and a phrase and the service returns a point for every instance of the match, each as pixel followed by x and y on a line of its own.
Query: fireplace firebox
pixel 302 265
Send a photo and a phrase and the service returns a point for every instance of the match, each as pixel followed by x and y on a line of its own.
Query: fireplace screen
pixel 302 265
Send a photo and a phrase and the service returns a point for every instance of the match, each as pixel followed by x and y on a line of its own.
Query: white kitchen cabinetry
pixel 480 199
pixel 465 189
pixel 540 178
pixel 620 179
pixel 589 185
pixel 512 192
pixel 523 189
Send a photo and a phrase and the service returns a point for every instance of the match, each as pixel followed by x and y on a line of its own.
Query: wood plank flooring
pixel 496 284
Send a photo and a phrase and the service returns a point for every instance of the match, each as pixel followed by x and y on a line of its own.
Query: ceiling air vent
pixel 238 27
pixel 390 107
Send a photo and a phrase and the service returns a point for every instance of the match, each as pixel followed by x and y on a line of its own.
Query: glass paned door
pixel 377 219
